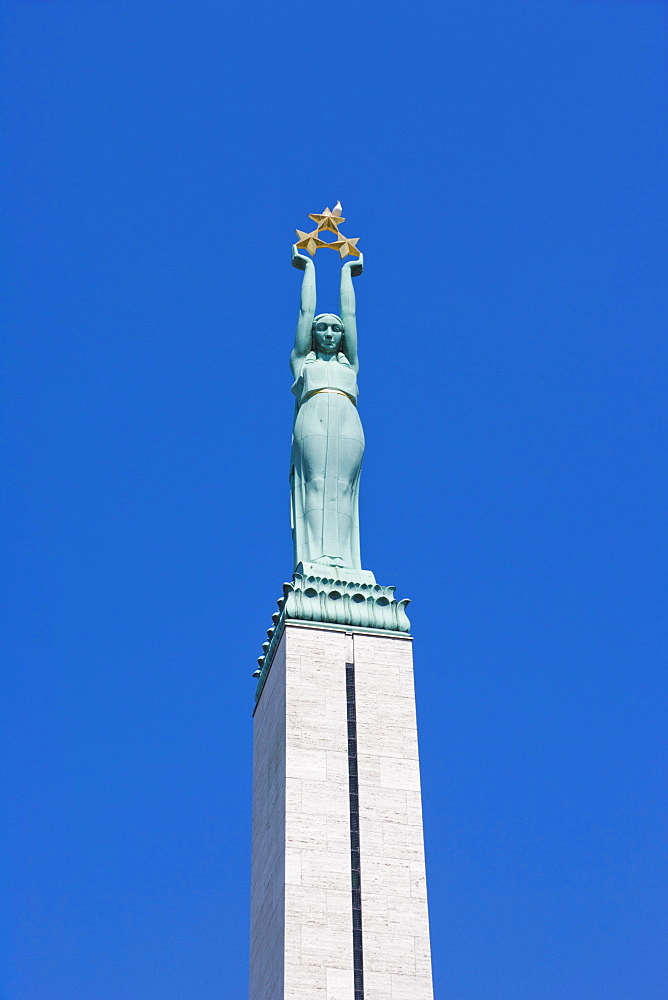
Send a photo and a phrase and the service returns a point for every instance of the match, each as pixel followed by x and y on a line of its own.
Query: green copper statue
pixel 327 439
pixel 328 584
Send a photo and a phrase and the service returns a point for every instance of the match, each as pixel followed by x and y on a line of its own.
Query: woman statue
pixel 327 438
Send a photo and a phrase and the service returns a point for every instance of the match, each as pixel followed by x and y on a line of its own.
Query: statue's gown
pixel 327 450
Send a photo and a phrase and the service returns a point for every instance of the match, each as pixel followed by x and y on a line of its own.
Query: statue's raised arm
pixel 350 269
pixel 304 332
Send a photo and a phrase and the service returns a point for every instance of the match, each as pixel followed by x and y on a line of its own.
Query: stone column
pixel 338 905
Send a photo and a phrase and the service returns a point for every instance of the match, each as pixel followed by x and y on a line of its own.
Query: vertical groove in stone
pixel 355 872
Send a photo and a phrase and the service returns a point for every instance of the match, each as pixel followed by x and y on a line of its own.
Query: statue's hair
pixel 320 316
pixel 343 335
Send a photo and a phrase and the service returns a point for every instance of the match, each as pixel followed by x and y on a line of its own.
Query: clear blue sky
pixel 504 163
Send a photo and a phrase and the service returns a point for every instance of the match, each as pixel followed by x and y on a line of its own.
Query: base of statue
pixel 337 573
pixel 342 598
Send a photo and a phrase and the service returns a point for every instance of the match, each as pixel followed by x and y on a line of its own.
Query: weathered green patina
pixel 329 584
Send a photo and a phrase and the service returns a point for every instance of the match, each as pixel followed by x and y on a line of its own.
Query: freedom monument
pixel 338 888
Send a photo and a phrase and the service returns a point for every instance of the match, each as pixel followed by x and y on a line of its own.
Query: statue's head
pixel 327 333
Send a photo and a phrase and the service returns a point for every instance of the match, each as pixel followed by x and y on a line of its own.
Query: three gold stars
pixel 328 222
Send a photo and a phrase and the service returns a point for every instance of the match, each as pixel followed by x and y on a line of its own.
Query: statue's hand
pixel 300 260
pixel 355 266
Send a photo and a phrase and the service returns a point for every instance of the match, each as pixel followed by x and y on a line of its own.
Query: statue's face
pixel 327 334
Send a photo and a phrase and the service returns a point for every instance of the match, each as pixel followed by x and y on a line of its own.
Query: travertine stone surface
pixel 317 833
pixel 395 923
pixel 268 843
pixel 301 908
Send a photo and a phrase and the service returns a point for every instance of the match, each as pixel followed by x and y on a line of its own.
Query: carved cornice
pixel 331 601
pixel 327 599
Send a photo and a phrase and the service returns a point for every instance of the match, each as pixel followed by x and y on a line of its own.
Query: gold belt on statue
pixel 339 392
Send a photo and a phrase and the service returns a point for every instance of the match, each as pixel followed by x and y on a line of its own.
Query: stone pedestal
pixel 338 904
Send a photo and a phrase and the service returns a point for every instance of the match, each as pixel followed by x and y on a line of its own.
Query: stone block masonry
pixel 338 913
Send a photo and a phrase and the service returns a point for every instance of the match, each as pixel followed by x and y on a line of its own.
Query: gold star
pixel 309 241
pixel 346 246
pixel 329 220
